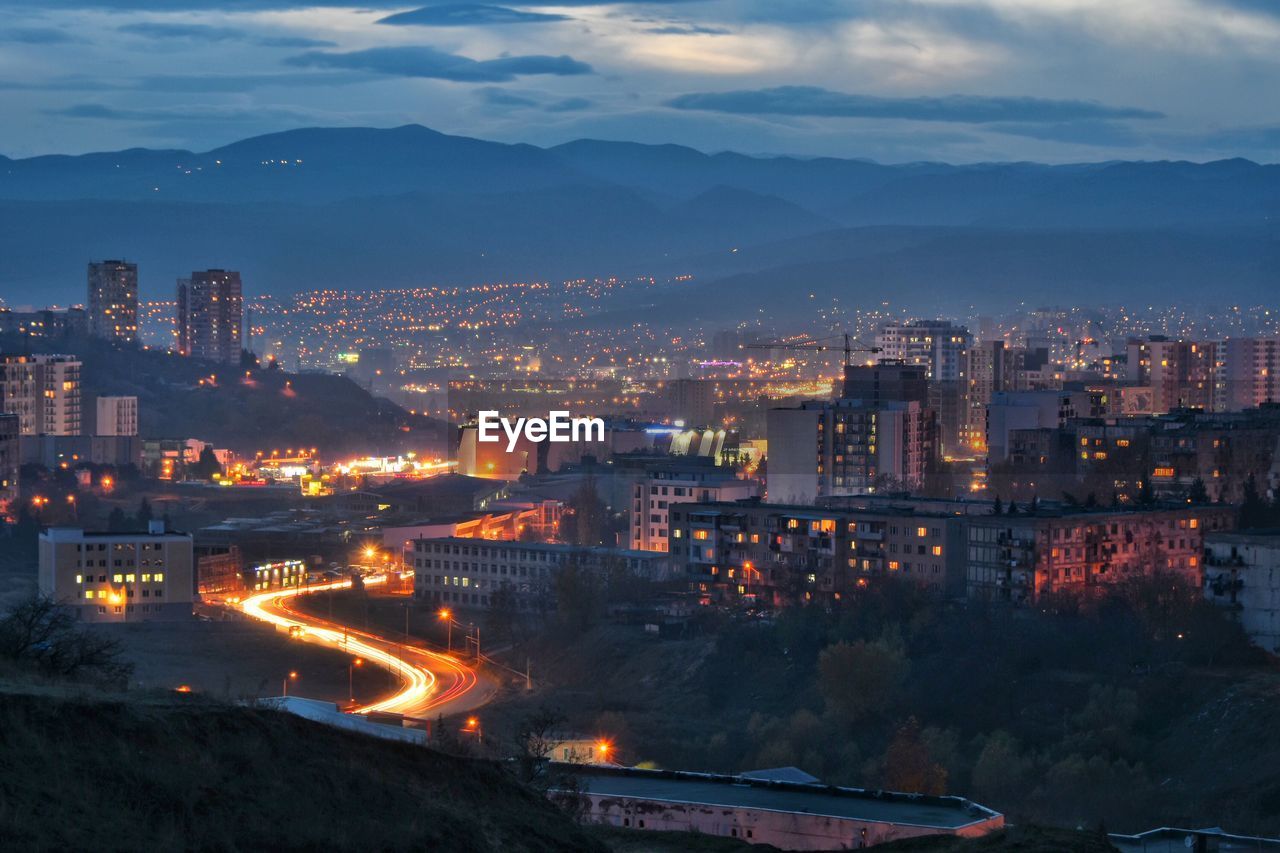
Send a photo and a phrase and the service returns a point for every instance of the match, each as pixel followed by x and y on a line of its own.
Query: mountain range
pixel 363 208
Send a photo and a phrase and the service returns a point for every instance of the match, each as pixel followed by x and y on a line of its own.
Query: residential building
pixel 117 416
pixel 775 555
pixel 113 301
pixel 470 572
pixel 1242 572
pixel 847 447
pixel 1181 374
pixel 942 348
pixel 1247 373
pixel 44 392
pixel 1020 558
pixel 119 577
pixel 47 323
pixel 10 462
pixel 675 483
pixel 1021 410
pixel 211 315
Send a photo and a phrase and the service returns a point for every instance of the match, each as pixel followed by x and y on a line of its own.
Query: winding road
pixel 432 683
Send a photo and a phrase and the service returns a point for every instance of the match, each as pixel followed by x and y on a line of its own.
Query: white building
pixel 667 485
pixel 119 577
pixel 44 392
pixel 117 416
pixel 1242 571
pixel 938 345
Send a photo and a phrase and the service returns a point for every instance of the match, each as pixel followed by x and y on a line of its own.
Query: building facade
pixel 10 461
pixel 119 577
pixel 117 416
pixel 113 301
pixel 211 315
pixel 847 447
pixel 44 392
pixel 1242 572
pixel 470 572
pixel 669 485
pixel 1021 558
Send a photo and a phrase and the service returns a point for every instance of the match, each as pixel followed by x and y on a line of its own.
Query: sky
pixel 887 80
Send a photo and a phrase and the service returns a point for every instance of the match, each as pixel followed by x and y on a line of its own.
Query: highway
pixel 432 683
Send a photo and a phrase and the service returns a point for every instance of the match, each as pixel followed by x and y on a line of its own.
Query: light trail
pixel 420 688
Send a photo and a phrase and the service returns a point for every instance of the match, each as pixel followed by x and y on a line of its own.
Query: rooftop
pixel 780 796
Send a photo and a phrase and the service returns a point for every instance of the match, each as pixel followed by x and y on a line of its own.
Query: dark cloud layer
pixel 424 61
pixel 468 15
pixel 819 102
pixel 208 33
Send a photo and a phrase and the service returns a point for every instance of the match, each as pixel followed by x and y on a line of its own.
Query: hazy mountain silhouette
pixel 359 207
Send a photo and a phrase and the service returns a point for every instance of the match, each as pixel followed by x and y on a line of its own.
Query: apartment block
pixel 44 392
pixel 119 577
pixel 113 301
pixel 665 486
pixel 117 416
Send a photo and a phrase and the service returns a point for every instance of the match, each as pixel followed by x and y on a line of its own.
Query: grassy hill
pixel 81 773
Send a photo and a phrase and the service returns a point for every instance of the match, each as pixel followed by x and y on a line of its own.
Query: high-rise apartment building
pixel 1247 373
pixel 1181 374
pixel 113 301
pixel 848 447
pixel 941 347
pixel 9 461
pixel 211 315
pixel 117 416
pixel 44 392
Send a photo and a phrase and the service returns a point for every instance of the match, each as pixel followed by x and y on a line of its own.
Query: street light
pixel 447 615
pixel 292 676
pixel 351 679
pixel 473 726
pixel 603 748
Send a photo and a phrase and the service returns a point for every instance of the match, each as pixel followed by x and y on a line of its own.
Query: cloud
pixel 500 97
pixel 246 82
pixel 427 62
pixel 208 33
pixel 37 35
pixel 569 105
pixel 687 30
pixel 816 101
pixel 468 15
pixel 102 112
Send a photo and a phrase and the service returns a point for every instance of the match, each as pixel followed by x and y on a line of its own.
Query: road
pixel 432 683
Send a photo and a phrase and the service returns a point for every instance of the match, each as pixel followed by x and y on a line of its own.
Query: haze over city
pixel 669 426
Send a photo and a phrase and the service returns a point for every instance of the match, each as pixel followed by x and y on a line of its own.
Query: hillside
pixel 266 410
pixel 166 774
pixel 346 207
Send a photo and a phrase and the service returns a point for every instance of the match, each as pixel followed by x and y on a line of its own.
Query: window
pixel 922 532
pixel 937 550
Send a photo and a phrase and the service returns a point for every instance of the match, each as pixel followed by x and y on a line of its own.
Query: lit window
pixel 922 532
pixel 159 577
pixel 79 578
pixel 937 550
pixel 117 578
pixel 88 593
pixel 701 534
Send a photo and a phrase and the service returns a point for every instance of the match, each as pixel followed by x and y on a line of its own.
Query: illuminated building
pixel 1181 374
pixel 210 315
pixel 118 577
pixel 468 572
pixel 117 416
pixel 847 447
pixel 9 464
pixel 1020 558
pixel 44 392
pixel 1247 373
pixel 779 554
pixel 665 486
pixel 113 301
pixel 44 322
pixel 275 575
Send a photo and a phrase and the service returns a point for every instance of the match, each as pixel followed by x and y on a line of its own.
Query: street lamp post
pixel 447 616
pixel 292 676
pixel 351 679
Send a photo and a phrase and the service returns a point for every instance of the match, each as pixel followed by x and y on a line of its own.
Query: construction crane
pixel 817 345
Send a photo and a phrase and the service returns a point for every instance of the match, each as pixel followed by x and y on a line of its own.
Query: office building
pixel 211 315
pixel 119 577
pixel 44 392
pixel 117 416
pixel 113 301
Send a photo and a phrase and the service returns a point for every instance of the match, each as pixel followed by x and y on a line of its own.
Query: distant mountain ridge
pixel 362 207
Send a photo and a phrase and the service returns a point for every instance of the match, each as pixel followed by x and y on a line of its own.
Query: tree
pixel 1001 770
pixel 1199 493
pixel 145 515
pixel 584 524
pixel 997 508
pixel 861 679
pixel 908 765
pixel 38 632
pixel 207 466
pixel 117 521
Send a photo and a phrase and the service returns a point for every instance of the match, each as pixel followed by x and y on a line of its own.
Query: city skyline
pixel 955 81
